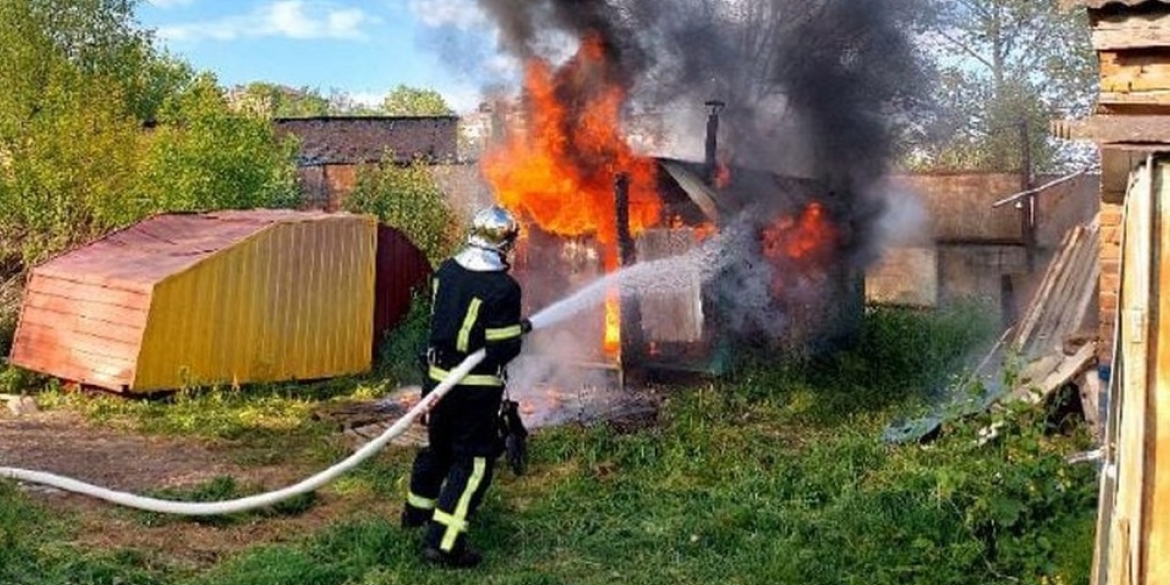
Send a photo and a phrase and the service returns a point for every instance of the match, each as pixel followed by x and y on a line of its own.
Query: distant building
pixel 333 148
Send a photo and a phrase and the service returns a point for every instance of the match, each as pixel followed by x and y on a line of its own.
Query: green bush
pixel 408 198
pixel 398 355
pixel 10 299
pixel 903 356
pixel 98 130
pixel 205 156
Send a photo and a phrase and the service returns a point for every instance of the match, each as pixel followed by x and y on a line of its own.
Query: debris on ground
pixel 1052 339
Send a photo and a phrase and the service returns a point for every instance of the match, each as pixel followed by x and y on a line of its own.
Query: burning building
pixel 591 205
pixel 783 192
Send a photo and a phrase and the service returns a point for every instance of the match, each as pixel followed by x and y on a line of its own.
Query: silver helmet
pixel 492 235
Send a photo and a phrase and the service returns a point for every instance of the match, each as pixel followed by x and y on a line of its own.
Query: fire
pixel 612 339
pixel 721 175
pixel 803 241
pixel 558 169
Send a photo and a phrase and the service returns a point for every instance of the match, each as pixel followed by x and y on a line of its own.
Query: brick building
pixel 333 148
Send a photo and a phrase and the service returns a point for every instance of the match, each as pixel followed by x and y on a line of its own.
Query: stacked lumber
pixel 1060 307
pixel 1050 336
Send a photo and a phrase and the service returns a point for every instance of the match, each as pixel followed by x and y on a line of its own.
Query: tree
pixel 343 104
pixel 1008 68
pixel 279 101
pixel 99 129
pixel 410 101
pixel 68 126
pixel 205 155
pixel 408 198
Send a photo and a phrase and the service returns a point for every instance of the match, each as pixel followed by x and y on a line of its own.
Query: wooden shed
pixel 226 297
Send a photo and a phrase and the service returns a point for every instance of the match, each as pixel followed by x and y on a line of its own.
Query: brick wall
pixel 959 205
pixel 1110 277
pixel 339 140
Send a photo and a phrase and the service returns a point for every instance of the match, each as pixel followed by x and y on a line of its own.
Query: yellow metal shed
pixel 226 297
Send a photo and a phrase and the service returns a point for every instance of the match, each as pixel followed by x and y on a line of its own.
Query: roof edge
pixel 1097 4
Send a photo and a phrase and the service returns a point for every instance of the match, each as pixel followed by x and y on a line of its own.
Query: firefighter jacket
pixel 473 310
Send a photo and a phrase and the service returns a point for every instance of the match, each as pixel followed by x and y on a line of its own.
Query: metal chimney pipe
pixel 712 144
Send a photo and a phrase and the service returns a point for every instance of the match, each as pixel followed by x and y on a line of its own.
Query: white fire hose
pixel 258 500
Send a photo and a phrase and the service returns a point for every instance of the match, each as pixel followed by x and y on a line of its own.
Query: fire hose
pixel 587 296
pixel 258 500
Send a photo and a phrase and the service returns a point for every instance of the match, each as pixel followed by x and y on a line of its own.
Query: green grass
pixel 775 474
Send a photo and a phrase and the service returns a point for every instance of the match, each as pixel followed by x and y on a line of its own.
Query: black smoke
pixel 814 88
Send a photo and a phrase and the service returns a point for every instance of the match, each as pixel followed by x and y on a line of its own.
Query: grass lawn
pixel 773 474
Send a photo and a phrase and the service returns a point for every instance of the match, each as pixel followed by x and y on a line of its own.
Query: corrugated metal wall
pixel 402 267
pixel 293 301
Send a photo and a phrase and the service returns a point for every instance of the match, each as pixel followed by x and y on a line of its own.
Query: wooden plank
pixel 73 364
pixel 1131 30
pixel 39 285
pixel 1090 389
pixel 1044 339
pixel 1116 128
pixel 1027 322
pixel 1036 307
pixel 1124 560
pixel 676 315
pixel 128 333
pixel 1156 523
pixel 93 309
pixel 1062 314
pixel 1089 291
pixel 1145 98
pixel 699 192
pixel 47 337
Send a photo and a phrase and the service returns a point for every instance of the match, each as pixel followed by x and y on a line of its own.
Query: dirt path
pixel 64 443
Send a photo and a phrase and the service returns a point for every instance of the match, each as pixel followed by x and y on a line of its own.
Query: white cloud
pixel 461 14
pixel 295 19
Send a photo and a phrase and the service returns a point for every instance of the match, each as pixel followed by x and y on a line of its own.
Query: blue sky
pixel 361 47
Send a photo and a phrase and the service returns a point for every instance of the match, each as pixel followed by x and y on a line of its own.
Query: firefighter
pixel 475 304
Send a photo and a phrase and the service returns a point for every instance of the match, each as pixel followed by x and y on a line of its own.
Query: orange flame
pixel 722 175
pixel 612 339
pixel 559 168
pixel 808 236
pixel 806 240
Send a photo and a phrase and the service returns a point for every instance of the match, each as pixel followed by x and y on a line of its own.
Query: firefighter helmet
pixel 492 235
pixel 493 228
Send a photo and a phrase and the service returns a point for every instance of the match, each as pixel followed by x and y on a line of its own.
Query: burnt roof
pixel 1095 4
pixel 743 189
pixel 365 139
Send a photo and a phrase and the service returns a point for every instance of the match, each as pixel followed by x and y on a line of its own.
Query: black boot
pixel 463 557
pixel 413 517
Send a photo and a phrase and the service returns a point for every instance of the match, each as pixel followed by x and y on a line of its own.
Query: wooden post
pixel 630 308
pixel 711 146
pixel 1156 525
pixel 1131 531
pixel 1028 204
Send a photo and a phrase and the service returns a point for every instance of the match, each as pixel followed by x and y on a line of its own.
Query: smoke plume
pixel 813 88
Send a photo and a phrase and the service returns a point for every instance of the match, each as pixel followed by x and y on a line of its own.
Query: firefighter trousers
pixel 453 472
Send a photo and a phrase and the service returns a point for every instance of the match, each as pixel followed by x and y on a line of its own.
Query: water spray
pixel 656 275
